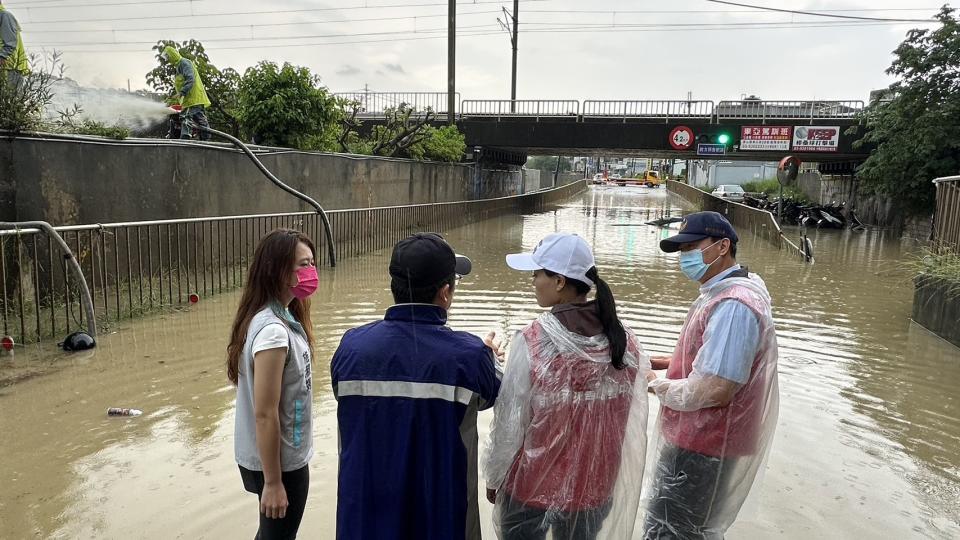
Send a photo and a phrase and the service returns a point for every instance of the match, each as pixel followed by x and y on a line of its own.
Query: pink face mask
pixel 307 281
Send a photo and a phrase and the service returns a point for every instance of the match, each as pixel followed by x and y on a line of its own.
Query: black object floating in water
pixel 664 221
pixel 78 341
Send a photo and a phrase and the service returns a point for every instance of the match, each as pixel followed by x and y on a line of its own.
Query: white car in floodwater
pixel 729 192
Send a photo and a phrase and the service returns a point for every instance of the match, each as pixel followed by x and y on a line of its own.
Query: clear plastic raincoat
pixel 568 441
pixel 708 453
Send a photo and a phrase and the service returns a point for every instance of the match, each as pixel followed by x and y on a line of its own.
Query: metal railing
pixel 535 108
pixel 810 111
pixel 138 267
pixel 946 221
pixel 375 103
pixel 659 110
pixel 744 218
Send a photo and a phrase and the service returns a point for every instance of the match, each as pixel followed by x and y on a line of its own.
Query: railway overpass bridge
pixel 742 130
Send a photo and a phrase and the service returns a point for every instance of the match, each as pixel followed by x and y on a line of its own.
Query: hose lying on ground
pixel 331 249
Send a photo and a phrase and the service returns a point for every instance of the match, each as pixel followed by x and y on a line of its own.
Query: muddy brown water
pixel 867 443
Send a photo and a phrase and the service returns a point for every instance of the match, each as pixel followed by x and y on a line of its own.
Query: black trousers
pixel 519 522
pixel 296 484
pixel 693 496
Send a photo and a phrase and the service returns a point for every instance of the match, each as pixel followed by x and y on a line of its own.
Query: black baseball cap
pixel 425 259
pixel 696 227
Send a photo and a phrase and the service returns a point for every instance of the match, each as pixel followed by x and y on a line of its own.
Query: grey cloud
pixel 395 68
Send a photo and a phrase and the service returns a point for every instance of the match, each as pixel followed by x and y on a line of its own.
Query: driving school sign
pixel 816 138
pixel 765 138
pixel 681 138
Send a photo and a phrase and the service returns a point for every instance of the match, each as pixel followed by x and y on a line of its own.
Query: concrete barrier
pixel 936 307
pixel 73 180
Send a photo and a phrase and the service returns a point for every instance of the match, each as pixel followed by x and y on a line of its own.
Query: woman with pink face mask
pixel 269 360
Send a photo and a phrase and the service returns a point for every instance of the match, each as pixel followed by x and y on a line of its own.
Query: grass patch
pixel 934 265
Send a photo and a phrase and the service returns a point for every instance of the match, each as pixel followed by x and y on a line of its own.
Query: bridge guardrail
pixel 375 103
pixel 946 225
pixel 535 108
pixel 811 111
pixel 666 109
pixel 759 222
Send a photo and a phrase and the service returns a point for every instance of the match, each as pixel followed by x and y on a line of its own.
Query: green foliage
pixel 440 144
pixel 932 265
pixel 22 104
pixel 92 127
pixel 547 164
pixel 287 106
pixel 916 135
pixel 405 133
pixel 222 85
pixel 771 187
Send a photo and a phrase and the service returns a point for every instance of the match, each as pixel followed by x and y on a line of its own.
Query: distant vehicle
pixel 649 178
pixel 598 178
pixel 729 192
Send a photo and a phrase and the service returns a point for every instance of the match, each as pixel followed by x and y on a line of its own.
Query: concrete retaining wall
pixel 936 307
pixel 87 180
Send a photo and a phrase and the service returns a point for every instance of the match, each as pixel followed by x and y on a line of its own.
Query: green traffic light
pixel 723 138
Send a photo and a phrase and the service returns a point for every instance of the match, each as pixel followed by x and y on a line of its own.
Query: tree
pixel 221 85
pixel 403 133
pixel 916 135
pixel 548 164
pixel 287 106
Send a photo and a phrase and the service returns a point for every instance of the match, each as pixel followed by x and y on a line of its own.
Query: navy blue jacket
pixel 408 390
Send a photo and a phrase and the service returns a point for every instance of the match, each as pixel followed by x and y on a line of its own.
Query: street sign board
pixel 816 138
pixel 681 138
pixel 711 149
pixel 771 138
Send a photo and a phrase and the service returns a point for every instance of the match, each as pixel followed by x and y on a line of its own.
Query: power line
pixel 260 25
pixel 263 12
pixel 614 29
pixel 815 13
pixel 546 27
pixel 272 38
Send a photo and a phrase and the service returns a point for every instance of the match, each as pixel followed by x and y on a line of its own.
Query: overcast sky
pixel 569 49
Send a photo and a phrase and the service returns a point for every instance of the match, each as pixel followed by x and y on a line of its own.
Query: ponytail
pixel 612 327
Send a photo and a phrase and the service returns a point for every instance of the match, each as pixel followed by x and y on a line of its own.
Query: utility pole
pixel 513 73
pixel 451 60
pixel 513 30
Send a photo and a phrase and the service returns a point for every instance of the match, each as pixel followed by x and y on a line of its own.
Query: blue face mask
pixel 692 265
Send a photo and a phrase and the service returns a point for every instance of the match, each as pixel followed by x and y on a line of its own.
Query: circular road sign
pixel 681 138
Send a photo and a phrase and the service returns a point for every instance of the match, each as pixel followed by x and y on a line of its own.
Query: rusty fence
pixel 946 221
pixel 760 222
pixel 135 268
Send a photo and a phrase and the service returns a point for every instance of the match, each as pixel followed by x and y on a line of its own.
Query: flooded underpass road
pixel 867 444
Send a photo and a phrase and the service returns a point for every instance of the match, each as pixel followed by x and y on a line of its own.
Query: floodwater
pixel 867 444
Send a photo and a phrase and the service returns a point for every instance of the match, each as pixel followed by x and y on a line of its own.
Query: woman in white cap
pixel 568 441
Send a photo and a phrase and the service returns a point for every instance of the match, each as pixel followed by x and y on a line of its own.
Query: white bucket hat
pixel 563 253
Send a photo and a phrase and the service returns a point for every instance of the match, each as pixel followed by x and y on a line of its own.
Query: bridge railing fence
pixel 135 268
pixel 658 110
pixel 535 108
pixel 946 221
pixel 375 103
pixel 811 111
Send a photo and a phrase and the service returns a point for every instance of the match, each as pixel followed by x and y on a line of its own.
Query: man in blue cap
pixel 719 400
pixel 408 390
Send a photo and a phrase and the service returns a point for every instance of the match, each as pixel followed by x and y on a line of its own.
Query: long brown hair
pixel 273 261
